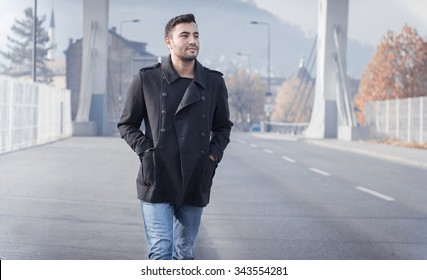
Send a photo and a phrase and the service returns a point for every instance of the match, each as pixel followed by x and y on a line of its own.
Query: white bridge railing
pixel 284 127
pixel 400 119
pixel 32 114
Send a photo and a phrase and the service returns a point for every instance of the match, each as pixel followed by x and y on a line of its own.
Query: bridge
pixel 332 115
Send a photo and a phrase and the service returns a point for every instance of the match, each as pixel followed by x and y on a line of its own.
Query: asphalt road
pixel 272 199
pixel 278 199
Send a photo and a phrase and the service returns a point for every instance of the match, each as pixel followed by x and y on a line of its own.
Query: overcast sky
pixel 369 20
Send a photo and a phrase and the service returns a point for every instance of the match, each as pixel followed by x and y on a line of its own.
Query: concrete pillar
pixel 324 118
pixel 92 115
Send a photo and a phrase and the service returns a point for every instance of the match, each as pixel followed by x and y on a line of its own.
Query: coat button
pixel 203 116
pixel 203 134
pixel 164 94
pixel 203 98
pixel 162 130
pixel 164 112
pixel 202 152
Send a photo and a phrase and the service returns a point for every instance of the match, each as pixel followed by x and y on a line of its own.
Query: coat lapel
pixel 191 95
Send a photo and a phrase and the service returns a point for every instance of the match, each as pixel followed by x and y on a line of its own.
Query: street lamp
pixel 34 70
pixel 248 57
pixel 268 52
pixel 121 56
pixel 127 21
pixel 268 106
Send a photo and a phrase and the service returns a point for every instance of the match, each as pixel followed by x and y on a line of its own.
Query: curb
pixel 376 154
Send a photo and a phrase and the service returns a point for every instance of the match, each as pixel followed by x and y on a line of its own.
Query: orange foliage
pixel 398 69
pixel 292 103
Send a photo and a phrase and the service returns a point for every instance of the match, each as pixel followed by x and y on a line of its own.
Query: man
pixel 185 111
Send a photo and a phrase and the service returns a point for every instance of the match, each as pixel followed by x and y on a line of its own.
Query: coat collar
pixel 200 74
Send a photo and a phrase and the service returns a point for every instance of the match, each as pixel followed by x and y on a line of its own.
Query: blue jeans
pixel 171 231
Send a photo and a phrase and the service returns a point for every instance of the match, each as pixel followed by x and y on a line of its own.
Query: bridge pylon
pixel 92 117
pixel 333 111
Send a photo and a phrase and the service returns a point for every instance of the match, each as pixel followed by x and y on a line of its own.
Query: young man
pixel 184 108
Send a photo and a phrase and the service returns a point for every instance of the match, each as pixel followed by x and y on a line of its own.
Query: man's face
pixel 183 41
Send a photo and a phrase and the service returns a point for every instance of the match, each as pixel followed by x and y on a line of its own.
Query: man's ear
pixel 168 42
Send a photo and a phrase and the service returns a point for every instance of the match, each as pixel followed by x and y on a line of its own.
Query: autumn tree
pixel 20 49
pixel 398 69
pixel 294 100
pixel 246 98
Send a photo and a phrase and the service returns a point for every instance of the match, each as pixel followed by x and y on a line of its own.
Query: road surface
pixel 272 199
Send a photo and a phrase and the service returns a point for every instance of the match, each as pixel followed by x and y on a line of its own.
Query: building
pixel 125 58
pixel 51 33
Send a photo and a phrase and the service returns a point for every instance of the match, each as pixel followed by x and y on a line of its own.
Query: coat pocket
pixel 148 168
pixel 209 172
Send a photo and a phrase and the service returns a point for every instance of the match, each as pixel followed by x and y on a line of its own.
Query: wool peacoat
pixel 200 126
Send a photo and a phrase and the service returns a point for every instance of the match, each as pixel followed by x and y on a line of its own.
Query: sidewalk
pixel 409 156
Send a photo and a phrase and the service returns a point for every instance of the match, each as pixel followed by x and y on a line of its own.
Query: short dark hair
pixel 188 18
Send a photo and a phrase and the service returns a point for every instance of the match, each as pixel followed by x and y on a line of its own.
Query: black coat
pixel 201 127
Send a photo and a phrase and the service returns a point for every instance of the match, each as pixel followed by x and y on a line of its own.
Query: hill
pixel 225 30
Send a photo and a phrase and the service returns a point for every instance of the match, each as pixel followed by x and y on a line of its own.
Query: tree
pixel 398 69
pixel 20 49
pixel 294 101
pixel 246 98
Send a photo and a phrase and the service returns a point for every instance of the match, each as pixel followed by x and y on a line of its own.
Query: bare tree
pixel 246 98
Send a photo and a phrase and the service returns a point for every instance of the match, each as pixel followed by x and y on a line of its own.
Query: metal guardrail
pixel 32 114
pixel 400 119
pixel 284 127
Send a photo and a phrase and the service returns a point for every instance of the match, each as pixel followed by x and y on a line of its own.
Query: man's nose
pixel 193 40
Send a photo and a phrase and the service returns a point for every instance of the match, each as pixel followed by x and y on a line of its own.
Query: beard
pixel 189 56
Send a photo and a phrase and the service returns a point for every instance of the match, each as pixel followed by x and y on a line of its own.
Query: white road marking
pixel 324 173
pixel 374 193
pixel 288 159
pixel 268 151
pixel 242 141
pixel 254 146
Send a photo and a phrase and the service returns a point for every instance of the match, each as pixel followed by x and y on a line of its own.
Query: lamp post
pixel 248 56
pixel 121 57
pixel 268 52
pixel 268 105
pixel 34 70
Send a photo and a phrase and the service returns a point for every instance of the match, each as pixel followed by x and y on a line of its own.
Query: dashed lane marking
pixel 324 173
pixel 374 193
pixel 254 146
pixel 288 159
pixel 268 151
